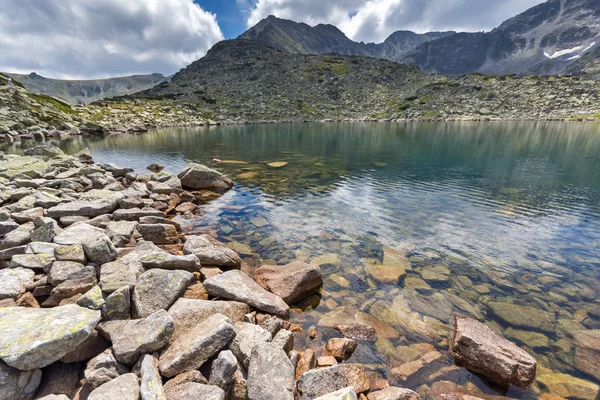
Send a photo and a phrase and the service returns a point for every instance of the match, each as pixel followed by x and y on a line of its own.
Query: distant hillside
pixel 87 91
pixel 299 38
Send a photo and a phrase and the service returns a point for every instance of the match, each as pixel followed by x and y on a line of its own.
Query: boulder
pixel 114 275
pixel 151 387
pixel 341 348
pixel 159 233
pixel 223 370
pixel 211 252
pixel 17 237
pixel 157 289
pixel 34 338
pixel 194 391
pixel 134 338
pixel 479 349
pixel 13 282
pixel 83 208
pixel 235 285
pixel 92 299
pixel 72 252
pixel 587 352
pixel 97 246
pixel 318 382
pixel 125 387
pixel 190 350
pixel 292 282
pixel 18 385
pixel 284 340
pixel 247 337
pixel 103 368
pixel 270 374
pixel 62 271
pixel 342 394
pixel 188 262
pixel 134 214
pixel 117 305
pixel 394 393
pixel 198 177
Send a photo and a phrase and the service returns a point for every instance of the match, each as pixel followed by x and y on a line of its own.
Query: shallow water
pixel 477 215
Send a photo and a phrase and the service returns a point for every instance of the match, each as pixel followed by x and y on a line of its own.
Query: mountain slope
pixel 301 38
pixel 544 40
pixel 87 91
pixel 243 80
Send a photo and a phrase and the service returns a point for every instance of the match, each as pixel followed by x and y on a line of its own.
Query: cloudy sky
pixel 81 39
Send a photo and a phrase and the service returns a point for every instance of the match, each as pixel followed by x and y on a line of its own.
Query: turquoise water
pixel 409 224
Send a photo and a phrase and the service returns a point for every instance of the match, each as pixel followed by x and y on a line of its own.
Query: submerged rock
pixel 524 317
pixel 292 282
pixel 587 352
pixel 235 285
pixel 34 338
pixel 476 347
pixel 568 386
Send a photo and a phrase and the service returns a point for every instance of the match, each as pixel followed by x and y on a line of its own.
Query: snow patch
pixel 570 51
pixel 573 58
pixel 589 47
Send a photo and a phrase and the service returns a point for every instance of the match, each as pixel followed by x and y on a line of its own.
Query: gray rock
pixel 88 349
pixel 92 299
pixel 198 176
pixel 142 249
pixel 479 349
pixel 28 215
pixel 120 232
pixel 271 375
pixel 247 337
pixel 73 253
pixel 189 351
pixel 7 254
pixel 18 385
pixel 223 370
pixel 62 271
pixel 96 245
pixel 189 262
pixel 134 338
pixel 318 382
pixel 54 397
pixel 40 261
pixel 91 204
pixel 125 387
pixel 235 285
pixel 159 233
pixel 158 289
pixel 211 252
pixel 17 237
pixel 13 282
pixel 342 394
pixel 117 305
pixel 78 283
pixel 34 338
pixel 189 313
pixel 116 274
pixel 160 220
pixel 103 368
pixel 284 340
pixel 190 376
pixel 134 214
pixel 151 388
pixel 194 391
pixel 41 247
pixel 45 229
pixel 7 226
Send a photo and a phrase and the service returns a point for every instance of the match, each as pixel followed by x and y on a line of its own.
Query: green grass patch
pixel 425 100
pixel 430 114
pixel 51 101
pixel 393 107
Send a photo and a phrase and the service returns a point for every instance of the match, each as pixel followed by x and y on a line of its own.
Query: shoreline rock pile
pixel 103 297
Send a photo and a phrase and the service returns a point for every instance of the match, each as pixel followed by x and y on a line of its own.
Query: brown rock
pixel 587 352
pixel 358 332
pixel 59 378
pixel 479 349
pixel 326 361
pixel 341 348
pixel 445 390
pixel 27 300
pixel 306 362
pixel 190 376
pixel 292 282
pixel 196 291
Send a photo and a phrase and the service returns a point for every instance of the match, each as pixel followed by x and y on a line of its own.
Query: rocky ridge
pixel 99 276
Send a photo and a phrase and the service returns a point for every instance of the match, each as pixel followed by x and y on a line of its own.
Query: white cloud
pixel 102 38
pixel 375 20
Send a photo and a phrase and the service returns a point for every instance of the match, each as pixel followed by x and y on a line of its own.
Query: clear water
pixel 477 214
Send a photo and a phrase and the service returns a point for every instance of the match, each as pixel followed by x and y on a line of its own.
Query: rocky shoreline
pixel 104 295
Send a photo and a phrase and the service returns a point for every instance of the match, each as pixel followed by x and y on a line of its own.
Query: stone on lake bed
pixel 587 352
pixel 235 285
pixel 211 252
pixel 292 282
pixel 277 164
pixel 479 349
pixel 34 338
pixel 569 387
pixel 522 316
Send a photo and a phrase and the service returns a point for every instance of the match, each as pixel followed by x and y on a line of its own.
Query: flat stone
pixel 188 262
pixel 194 391
pixel 479 349
pixel 396 393
pixel 34 338
pixel 247 337
pixel 198 177
pixel 223 370
pixel 120 232
pixel 292 282
pixel 73 253
pixel 270 374
pixel 318 382
pixel 533 340
pixel 27 215
pixel 103 368
pixel 134 338
pixel 211 252
pixel 116 274
pixel 587 352
pixel 235 285
pixel 13 282
pixel 18 385
pixel 189 351
pixel 78 283
pixel 38 262
pixel 357 331
pixel 87 206
pixel 142 249
pixel 159 233
pixel 7 226
pixel 342 394
pixel 134 214
pixel 190 376
pixel 17 237
pixel 41 247
pixel 61 271
pixel 386 274
pixel 158 289
pixel 151 387
pixel 125 387
pixel 524 317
